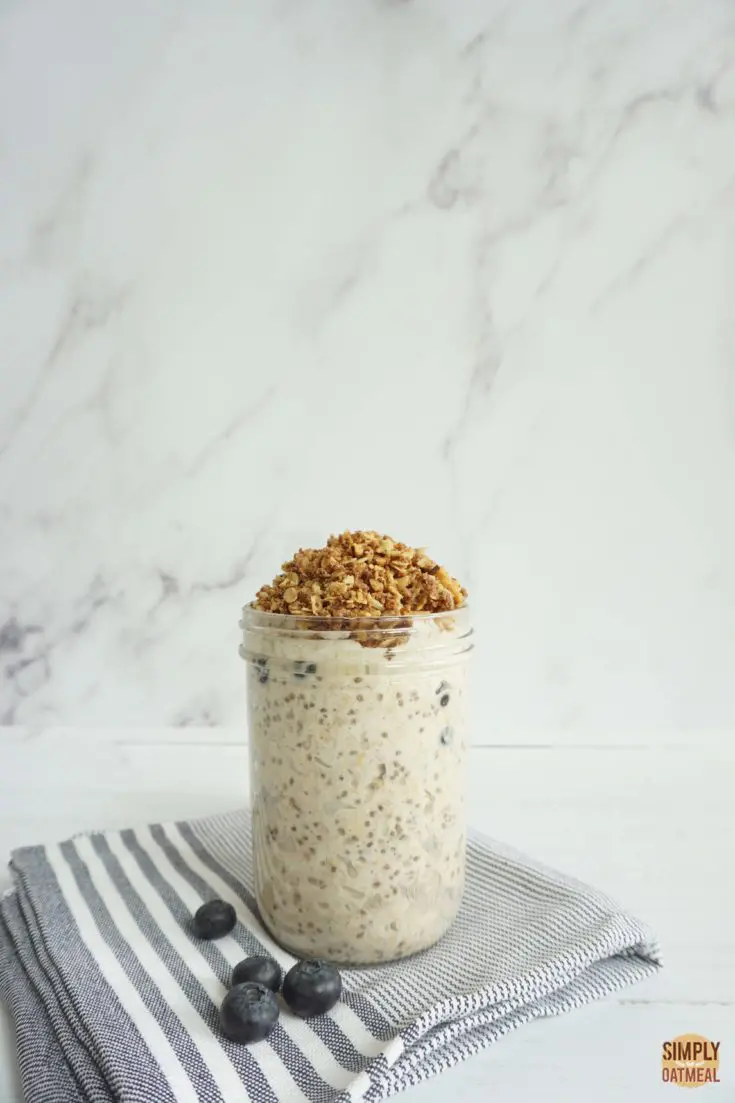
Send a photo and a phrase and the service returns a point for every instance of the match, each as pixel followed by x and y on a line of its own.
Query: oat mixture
pixel 358 753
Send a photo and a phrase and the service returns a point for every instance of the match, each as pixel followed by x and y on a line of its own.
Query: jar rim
pixel 311 621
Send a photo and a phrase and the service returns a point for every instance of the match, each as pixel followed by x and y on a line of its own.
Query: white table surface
pixel 651 824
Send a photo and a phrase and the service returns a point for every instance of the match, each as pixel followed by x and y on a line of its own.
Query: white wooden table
pixel 651 822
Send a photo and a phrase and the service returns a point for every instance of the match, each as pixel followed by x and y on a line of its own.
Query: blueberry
pixel 312 988
pixel 261 670
pixel 248 1013
pixel 301 669
pixel 444 700
pixel 214 919
pixel 260 970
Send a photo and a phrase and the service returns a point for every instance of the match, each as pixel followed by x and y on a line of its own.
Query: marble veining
pixel 460 272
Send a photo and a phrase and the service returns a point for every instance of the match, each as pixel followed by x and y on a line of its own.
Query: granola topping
pixel 361 574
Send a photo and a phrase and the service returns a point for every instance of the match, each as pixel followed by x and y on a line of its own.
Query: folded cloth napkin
pixel 114 998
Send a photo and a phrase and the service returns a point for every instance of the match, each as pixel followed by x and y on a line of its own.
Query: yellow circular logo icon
pixel 689 1060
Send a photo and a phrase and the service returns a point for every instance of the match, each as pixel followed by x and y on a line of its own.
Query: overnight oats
pixel 358 712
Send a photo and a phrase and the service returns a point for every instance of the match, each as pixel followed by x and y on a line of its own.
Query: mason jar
pixel 358 732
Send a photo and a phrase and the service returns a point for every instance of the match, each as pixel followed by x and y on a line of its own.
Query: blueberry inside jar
pixel 358 738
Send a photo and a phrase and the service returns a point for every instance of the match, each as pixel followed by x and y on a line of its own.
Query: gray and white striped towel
pixel 114 999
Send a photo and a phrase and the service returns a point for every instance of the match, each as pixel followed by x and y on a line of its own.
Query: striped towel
pixel 114 999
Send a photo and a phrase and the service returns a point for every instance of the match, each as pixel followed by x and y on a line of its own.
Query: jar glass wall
pixel 358 732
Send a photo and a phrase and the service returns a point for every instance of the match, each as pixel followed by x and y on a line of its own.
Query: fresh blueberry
pixel 312 988
pixel 260 970
pixel 214 919
pixel 248 1013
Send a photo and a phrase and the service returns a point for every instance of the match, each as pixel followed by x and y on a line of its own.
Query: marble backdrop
pixel 462 271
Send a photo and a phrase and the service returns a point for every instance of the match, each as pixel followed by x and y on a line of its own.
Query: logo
pixel 690 1060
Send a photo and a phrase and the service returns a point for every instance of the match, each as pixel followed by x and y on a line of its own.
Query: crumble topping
pixel 361 574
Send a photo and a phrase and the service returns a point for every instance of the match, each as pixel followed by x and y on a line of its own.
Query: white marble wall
pixel 461 271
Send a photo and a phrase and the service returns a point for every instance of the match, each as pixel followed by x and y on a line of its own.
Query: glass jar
pixel 358 732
